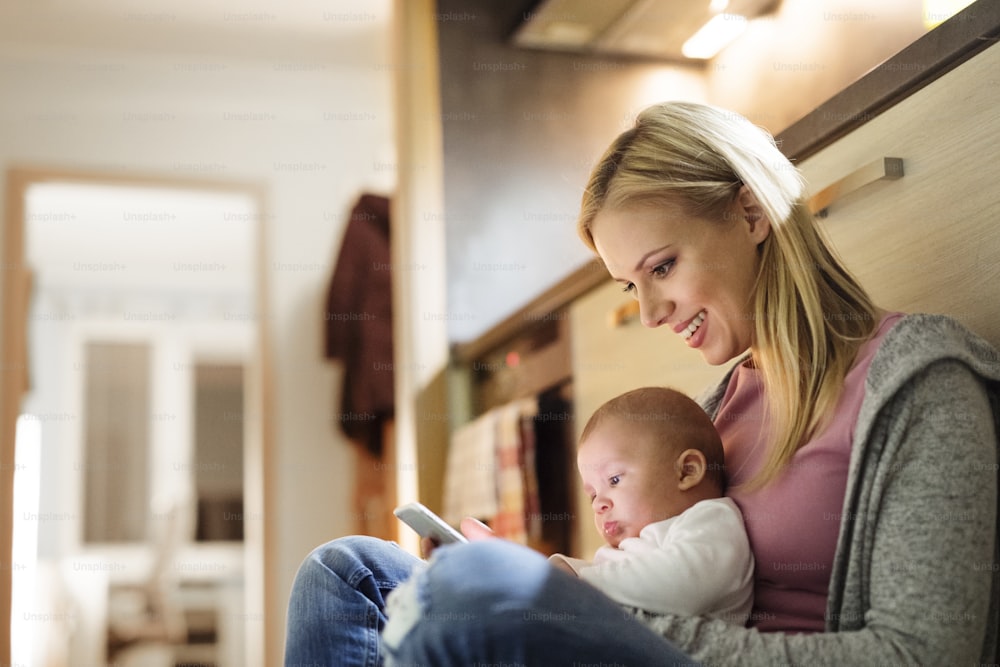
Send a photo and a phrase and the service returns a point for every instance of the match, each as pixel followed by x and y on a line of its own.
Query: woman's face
pixel 694 275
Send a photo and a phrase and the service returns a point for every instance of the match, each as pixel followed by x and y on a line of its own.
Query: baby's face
pixel 630 480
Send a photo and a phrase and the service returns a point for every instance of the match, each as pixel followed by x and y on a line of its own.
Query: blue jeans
pixel 484 603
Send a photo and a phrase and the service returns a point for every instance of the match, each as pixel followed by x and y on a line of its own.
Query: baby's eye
pixel 613 480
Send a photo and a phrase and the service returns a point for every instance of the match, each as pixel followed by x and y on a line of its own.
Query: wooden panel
pixel 532 361
pixel 929 241
pixel 612 355
pixel 550 303
pixel 524 366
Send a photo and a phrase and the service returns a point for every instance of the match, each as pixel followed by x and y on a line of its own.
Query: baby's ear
pixel 690 466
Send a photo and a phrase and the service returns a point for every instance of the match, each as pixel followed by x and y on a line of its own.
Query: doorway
pixel 143 345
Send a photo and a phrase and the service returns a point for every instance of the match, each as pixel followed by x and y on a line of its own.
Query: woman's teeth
pixel 695 323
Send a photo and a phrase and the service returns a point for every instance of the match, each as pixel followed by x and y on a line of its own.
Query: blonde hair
pixel 810 314
pixel 675 420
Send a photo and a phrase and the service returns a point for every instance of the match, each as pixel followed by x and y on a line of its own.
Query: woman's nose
pixel 654 309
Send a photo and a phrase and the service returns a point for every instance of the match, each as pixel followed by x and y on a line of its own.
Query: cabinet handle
pixel 882 169
pixel 623 314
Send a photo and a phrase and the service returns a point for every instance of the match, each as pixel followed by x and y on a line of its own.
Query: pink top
pixel 794 521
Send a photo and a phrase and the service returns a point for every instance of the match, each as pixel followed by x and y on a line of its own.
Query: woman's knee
pixel 355 558
pixel 345 550
pixel 495 601
pixel 468 590
pixel 333 557
pixel 469 583
pixel 480 571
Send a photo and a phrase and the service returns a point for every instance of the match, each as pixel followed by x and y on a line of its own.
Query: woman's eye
pixel 662 270
pixel 629 288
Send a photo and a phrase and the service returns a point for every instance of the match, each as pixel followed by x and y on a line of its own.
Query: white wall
pixel 313 130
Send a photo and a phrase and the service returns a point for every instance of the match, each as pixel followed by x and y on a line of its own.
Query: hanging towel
pixel 510 521
pixel 470 478
pixel 532 494
pixel 490 471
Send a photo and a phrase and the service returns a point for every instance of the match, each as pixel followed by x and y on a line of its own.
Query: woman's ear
pixel 690 466
pixel 751 212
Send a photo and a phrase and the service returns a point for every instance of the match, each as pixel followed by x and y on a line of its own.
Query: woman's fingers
pixel 475 529
pixel 427 545
pixel 471 528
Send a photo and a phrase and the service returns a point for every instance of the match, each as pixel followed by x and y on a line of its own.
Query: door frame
pixel 15 286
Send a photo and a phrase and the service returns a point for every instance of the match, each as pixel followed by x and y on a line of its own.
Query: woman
pixel 861 447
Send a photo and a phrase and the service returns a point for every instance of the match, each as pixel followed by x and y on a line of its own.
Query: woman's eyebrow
pixel 644 258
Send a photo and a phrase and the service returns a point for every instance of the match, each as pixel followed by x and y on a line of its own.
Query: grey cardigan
pixel 915 577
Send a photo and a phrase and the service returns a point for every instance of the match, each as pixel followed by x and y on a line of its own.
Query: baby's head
pixel 646 456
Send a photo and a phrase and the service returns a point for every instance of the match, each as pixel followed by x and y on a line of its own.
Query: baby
pixel 652 464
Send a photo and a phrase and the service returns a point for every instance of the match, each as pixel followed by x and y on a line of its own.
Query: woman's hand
pixel 474 529
pixel 563 565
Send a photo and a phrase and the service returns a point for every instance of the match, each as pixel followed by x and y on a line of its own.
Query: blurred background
pixel 182 180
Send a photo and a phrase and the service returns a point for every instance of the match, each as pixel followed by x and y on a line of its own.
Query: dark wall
pixel 521 131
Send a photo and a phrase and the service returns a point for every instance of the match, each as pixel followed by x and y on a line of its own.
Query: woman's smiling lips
pixel 688 328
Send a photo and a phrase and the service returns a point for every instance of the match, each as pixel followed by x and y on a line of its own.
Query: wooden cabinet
pixel 929 241
pixel 525 357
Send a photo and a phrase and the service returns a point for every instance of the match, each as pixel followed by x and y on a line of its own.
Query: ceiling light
pixel 714 36
pixel 937 12
pixel 632 28
pixel 569 34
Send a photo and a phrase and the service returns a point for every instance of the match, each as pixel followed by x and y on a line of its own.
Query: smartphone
pixel 428 524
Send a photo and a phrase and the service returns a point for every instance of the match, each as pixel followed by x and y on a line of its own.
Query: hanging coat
pixel 358 323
